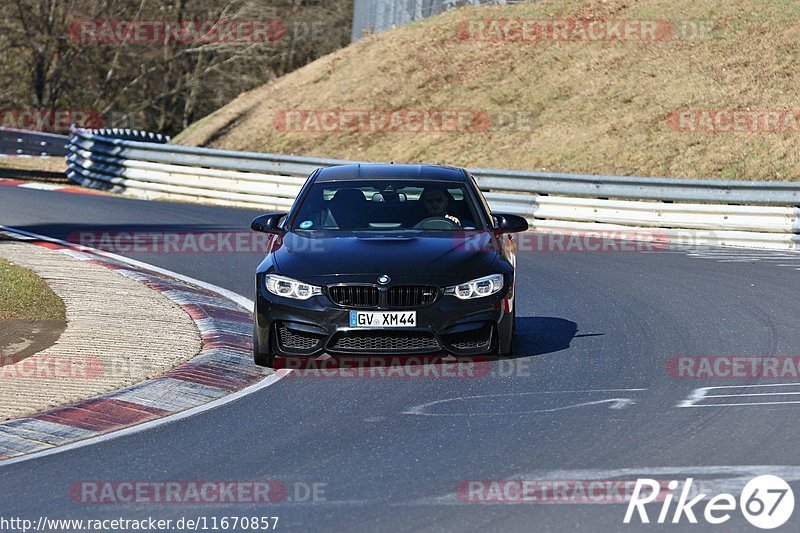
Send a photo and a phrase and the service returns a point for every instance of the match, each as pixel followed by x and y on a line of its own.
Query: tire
pixel 260 358
pixel 514 321
pixel 263 359
pixel 509 353
pixel 510 338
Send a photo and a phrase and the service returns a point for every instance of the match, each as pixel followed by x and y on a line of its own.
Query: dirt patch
pixel 23 338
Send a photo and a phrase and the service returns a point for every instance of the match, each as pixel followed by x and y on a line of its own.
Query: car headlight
pixel 290 288
pixel 477 288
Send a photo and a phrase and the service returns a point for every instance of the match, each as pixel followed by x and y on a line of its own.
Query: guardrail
pixel 32 143
pixel 130 135
pixel 693 211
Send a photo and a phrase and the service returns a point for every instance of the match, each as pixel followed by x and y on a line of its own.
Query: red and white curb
pixel 223 366
pixel 42 186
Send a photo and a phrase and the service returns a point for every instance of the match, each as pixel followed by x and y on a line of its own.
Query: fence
pixel 379 15
pixel 32 143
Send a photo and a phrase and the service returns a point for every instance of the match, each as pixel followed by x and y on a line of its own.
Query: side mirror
pixel 268 223
pixel 510 223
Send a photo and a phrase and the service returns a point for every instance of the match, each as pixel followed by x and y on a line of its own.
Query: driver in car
pixel 436 201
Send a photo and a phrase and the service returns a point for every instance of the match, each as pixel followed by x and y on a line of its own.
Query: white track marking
pixel 698 395
pixel 241 300
pixel 42 186
pixel 754 394
pixel 709 480
pixel 743 404
pixel 616 403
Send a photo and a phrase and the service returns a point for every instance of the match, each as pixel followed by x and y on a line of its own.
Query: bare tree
pixel 169 82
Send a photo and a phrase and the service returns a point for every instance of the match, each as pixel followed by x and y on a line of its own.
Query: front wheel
pixel 264 359
pixel 514 321
pixel 505 334
pixel 259 357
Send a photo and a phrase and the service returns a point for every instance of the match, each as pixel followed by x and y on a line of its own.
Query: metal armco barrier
pixel 32 143
pixel 130 135
pixel 739 213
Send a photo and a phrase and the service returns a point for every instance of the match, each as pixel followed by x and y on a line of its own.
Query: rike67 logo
pixel 766 502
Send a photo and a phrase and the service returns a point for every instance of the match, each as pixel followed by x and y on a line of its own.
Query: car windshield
pixel 396 205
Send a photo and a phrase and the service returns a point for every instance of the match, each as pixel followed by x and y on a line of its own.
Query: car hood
pixel 350 256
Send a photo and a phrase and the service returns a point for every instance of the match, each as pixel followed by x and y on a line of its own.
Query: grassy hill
pixel 559 104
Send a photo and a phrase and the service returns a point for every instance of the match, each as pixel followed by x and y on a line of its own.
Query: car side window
pixel 482 200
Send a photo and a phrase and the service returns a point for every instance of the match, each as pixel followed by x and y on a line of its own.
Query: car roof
pixel 382 171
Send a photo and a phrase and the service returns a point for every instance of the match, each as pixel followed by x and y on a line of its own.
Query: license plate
pixel 380 319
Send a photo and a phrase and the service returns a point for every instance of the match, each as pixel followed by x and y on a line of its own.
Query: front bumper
pixel 288 327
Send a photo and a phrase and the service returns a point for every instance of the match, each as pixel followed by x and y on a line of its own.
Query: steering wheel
pixel 436 223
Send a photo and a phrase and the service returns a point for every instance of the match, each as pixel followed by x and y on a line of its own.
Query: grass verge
pixel 50 169
pixel 26 296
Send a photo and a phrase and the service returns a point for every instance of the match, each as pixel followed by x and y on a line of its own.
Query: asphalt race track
pixel 587 397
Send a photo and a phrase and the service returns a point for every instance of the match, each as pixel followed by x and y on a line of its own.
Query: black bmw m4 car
pixel 386 260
